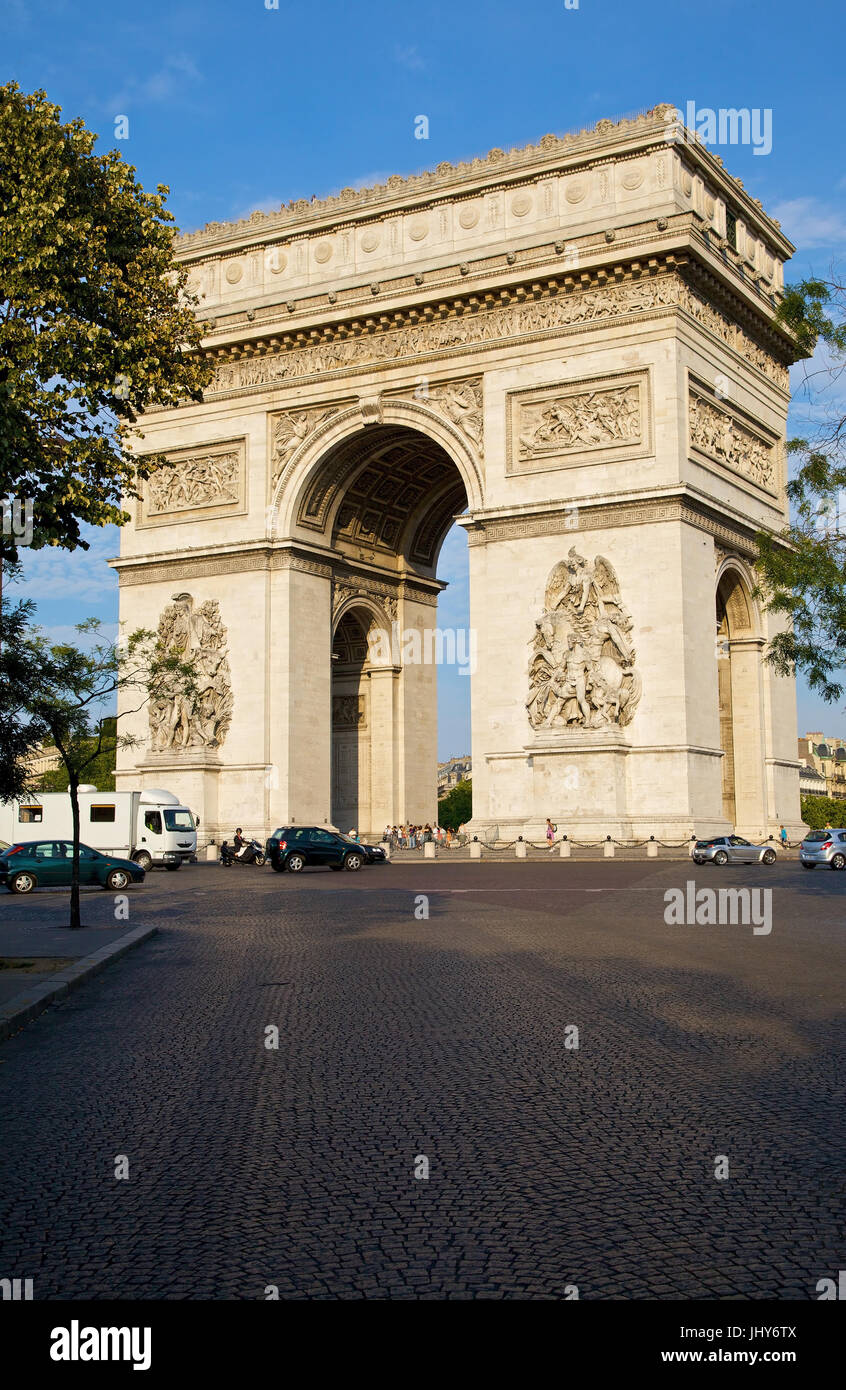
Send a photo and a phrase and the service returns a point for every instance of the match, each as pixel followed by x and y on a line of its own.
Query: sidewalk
pixel 578 853
pixel 34 931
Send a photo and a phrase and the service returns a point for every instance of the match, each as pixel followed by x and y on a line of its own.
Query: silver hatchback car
pixel 823 847
pixel 732 849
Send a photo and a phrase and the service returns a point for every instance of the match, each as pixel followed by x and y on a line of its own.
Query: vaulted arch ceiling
pixel 390 489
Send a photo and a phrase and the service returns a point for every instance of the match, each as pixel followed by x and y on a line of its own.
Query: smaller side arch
pixel 735 586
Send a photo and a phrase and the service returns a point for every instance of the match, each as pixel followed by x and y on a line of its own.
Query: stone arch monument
pixel 571 349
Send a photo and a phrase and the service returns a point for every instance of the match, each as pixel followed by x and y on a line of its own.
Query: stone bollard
pixel 475 849
pixel 211 853
pixel 429 849
pixel 608 850
pixel 564 849
pixel 520 849
pixel 386 846
pixel 652 850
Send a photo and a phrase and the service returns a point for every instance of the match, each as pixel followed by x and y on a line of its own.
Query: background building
pixel 826 757
pixel 44 758
pixel 453 771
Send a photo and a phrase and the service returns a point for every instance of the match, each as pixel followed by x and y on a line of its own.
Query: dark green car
pixel 49 864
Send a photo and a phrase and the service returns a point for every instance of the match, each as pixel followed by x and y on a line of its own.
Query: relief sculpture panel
pixel 582 664
pixel 200 716
pixel 195 483
pixel 723 437
pixel 558 426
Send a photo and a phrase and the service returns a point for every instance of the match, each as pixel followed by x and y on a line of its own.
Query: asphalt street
pixel 426 1016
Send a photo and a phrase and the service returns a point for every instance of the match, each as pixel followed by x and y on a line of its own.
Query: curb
pixel 30 1003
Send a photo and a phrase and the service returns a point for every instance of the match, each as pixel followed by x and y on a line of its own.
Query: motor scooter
pixel 253 854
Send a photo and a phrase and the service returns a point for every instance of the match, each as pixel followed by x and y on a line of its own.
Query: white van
pixel 151 827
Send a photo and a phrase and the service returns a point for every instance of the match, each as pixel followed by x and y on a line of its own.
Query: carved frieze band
pixel 563 426
pixel 719 433
pixel 472 326
pixel 597 518
pixel 194 482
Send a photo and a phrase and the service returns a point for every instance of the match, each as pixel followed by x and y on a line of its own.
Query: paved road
pixel 401 1036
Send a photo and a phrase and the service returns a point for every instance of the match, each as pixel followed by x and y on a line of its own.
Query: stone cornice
pixel 496 169
pixel 445 326
pixel 310 315
pixel 246 558
pixel 677 505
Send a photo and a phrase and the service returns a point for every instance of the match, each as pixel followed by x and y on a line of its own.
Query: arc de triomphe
pixel 570 347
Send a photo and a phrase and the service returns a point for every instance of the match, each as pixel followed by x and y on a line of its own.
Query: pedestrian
pixel 782 834
pixel 550 834
pixel 448 838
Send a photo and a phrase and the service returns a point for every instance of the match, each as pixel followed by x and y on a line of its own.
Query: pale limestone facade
pixel 561 346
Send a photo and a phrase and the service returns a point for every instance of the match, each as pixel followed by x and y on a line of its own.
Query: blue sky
pixel 238 105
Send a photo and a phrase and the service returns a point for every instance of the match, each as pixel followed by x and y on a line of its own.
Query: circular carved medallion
pixel 323 252
pixel 468 216
pixel 418 230
pixel 370 241
pixel 234 272
pixel 276 260
pixel 576 191
pixel 633 177
pixel 521 205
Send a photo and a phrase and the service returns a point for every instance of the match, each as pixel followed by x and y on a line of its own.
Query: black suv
pixel 292 847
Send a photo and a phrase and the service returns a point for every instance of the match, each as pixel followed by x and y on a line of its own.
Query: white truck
pixel 151 827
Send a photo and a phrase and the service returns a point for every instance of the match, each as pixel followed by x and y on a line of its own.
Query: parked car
pixel 732 849
pixel 823 847
pixel 294 847
pixel 49 864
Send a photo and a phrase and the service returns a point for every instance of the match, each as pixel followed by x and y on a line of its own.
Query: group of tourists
pixel 415 836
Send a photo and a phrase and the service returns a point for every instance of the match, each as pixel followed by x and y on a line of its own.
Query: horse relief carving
pixel 582 667
pixel 201 717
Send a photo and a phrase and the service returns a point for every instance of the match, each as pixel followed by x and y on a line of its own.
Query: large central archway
pixel 383 498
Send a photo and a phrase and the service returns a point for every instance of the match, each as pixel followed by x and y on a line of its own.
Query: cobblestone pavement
pixel 445 1036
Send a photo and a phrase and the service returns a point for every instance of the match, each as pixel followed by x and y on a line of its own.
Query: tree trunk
pixel 73 789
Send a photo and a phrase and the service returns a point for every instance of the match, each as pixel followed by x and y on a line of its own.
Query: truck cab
pixel 165 831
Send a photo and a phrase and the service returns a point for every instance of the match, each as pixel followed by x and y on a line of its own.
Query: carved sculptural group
pixel 199 717
pixel 582 667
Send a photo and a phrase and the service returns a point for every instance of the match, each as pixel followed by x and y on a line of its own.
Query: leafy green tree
pixel 96 324
pixel 100 771
pixel 456 808
pixel 19 737
pixel 802 570
pixel 60 687
pixel 819 811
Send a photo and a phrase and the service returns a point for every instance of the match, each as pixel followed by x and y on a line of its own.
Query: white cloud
pixel 811 223
pixel 80 576
pixel 167 84
pixel 272 204
pixel 409 57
